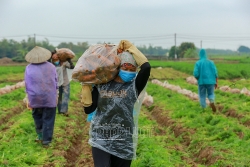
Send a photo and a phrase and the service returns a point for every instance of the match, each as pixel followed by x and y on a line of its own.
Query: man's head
pixel 54 57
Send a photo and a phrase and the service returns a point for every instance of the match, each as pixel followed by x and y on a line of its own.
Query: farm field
pixel 174 131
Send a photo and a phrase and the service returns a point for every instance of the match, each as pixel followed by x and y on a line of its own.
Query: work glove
pixel 86 95
pixel 139 57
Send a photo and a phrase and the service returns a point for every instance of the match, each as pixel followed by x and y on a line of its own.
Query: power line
pixel 100 38
pixel 141 38
pixel 164 39
pixel 15 36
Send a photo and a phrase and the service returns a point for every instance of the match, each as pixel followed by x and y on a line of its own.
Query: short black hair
pixel 53 52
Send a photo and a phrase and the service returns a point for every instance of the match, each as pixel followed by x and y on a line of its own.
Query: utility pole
pixel 175 46
pixel 201 44
pixel 35 39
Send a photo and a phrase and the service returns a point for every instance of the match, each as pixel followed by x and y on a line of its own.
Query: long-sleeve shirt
pixel 41 85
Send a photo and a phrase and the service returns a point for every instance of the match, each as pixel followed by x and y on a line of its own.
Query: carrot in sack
pixel 104 61
pixel 117 61
pixel 102 71
pixel 87 78
pixel 90 65
pixel 100 58
pixel 107 75
pixel 99 70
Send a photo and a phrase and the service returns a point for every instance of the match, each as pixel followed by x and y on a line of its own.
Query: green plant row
pixel 212 130
pixel 18 147
pixel 153 150
pixel 11 73
pixel 12 69
pixel 238 102
pixel 12 77
pixel 235 83
pixel 10 100
pixel 225 71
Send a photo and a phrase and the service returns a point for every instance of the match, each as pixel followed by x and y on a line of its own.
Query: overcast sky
pixel 217 24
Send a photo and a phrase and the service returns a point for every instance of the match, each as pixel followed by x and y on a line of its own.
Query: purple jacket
pixel 41 85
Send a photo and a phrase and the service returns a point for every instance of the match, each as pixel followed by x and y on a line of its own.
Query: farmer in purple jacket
pixel 41 88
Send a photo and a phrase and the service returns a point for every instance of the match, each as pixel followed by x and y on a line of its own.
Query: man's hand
pixel 216 85
pixel 119 50
pixel 71 64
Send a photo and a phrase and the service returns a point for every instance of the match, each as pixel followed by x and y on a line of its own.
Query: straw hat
pixel 38 55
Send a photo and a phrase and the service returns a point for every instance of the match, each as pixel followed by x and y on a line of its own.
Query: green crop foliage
pixel 11 69
pixel 12 73
pixel 153 151
pixel 215 131
pixel 228 136
pixel 9 100
pixel 17 145
pixel 225 71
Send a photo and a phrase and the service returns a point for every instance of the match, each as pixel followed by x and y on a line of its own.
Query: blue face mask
pixel 127 76
pixel 56 63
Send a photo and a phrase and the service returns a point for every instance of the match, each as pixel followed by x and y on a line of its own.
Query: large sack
pixel 98 64
pixel 64 54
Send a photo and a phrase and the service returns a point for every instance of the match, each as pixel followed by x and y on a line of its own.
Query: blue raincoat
pixel 205 70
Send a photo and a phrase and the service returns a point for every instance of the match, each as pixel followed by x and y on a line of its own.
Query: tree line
pixel 17 50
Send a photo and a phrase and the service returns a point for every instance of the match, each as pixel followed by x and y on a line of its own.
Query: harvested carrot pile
pixel 98 64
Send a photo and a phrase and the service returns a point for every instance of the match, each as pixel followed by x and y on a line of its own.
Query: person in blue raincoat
pixel 206 74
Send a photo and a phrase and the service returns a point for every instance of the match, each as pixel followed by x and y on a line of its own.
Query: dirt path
pixel 78 154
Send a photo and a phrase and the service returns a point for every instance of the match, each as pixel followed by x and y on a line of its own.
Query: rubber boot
pixel 213 107
pixel 39 138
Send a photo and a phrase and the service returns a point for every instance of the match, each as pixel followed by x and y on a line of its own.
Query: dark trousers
pixel 104 159
pixel 44 119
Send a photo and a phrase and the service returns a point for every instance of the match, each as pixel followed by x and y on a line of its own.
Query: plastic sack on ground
pixel 64 54
pixel 147 100
pixel 97 65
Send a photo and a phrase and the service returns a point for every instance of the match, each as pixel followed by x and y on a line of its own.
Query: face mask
pixel 56 63
pixel 127 76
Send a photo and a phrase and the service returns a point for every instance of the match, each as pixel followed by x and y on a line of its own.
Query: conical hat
pixel 38 55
